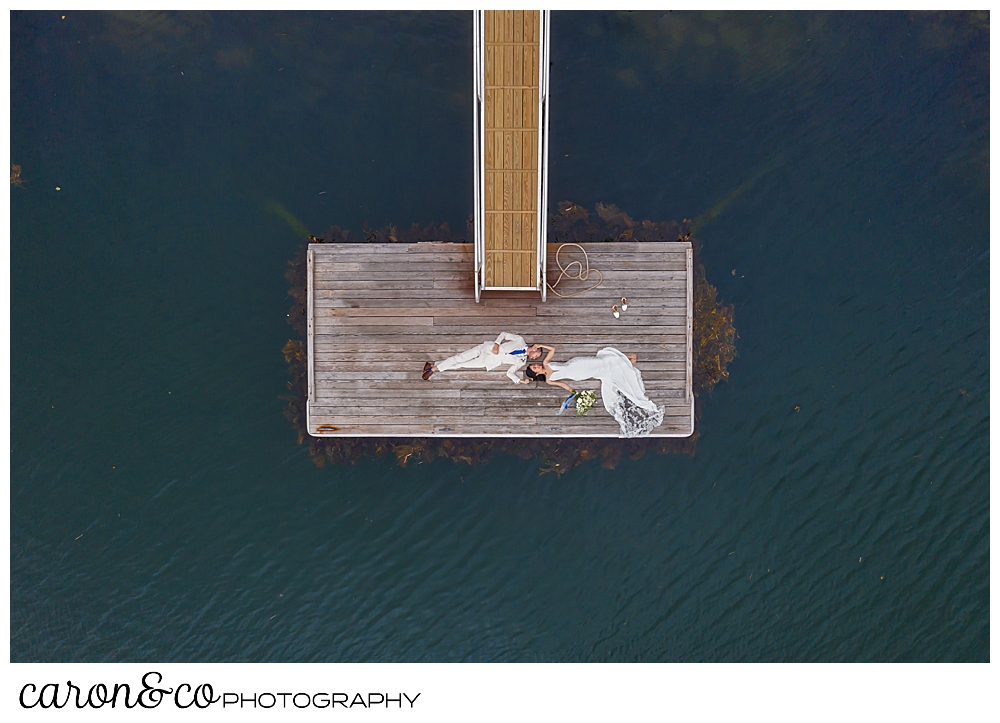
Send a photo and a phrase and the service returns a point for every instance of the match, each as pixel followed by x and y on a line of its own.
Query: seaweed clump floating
pixel 714 348
pixel 713 333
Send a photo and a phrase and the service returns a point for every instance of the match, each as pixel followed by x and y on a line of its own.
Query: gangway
pixel 511 121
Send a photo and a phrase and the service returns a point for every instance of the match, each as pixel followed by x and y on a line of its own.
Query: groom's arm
pixel 502 337
pixel 505 336
pixel 512 373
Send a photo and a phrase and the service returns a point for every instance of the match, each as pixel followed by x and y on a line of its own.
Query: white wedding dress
pixel 622 391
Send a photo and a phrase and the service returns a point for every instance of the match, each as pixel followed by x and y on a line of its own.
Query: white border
pixel 824 692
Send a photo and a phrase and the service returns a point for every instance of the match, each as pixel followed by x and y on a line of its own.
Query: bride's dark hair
pixel 533 375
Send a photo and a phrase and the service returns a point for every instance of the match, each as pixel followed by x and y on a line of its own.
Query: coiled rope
pixel 582 272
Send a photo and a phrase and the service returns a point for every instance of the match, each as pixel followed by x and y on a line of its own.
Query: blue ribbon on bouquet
pixel 565 405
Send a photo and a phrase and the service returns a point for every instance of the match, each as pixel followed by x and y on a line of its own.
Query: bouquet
pixel 584 401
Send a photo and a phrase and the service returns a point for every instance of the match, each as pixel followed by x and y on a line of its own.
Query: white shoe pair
pixel 614 309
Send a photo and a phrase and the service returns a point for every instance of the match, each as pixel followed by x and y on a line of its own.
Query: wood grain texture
pixel 378 311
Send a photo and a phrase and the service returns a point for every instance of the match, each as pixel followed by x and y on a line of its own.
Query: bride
pixel 622 391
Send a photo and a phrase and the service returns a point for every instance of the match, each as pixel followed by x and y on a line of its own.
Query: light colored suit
pixel 482 356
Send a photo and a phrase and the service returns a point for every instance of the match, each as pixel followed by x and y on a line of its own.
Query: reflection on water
pixel 719 206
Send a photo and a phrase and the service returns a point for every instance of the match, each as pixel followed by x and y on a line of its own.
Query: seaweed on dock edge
pixel 714 349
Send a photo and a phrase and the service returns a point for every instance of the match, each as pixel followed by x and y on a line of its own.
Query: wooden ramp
pixel 510 113
pixel 377 312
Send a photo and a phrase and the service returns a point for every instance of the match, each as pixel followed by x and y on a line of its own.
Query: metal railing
pixel 543 152
pixel 479 238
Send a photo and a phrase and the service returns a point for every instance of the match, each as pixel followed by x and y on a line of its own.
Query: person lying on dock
pixel 622 390
pixel 508 349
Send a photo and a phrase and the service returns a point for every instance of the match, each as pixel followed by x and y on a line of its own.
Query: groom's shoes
pixel 428 370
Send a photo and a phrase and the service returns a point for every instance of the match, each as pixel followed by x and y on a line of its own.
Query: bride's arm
pixel 557 383
pixel 551 352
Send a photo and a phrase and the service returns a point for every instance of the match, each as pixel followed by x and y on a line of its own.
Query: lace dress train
pixel 622 390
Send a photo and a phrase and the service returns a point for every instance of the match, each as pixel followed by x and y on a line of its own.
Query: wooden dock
pixel 510 116
pixel 377 312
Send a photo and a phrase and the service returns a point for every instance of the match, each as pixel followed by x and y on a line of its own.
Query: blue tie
pixel 519 352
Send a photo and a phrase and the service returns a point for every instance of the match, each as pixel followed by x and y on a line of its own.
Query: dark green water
pixel 161 509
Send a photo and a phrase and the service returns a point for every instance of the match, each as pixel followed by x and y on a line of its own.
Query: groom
pixel 508 349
